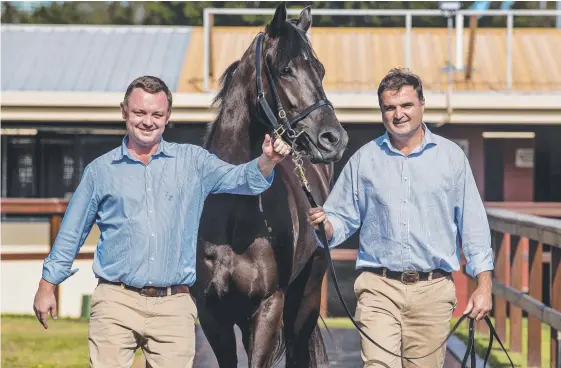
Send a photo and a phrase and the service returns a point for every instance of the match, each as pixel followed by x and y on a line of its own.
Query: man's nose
pixel 398 113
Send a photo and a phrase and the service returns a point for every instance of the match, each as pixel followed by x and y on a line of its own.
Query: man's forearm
pixel 265 165
pixel 44 284
pixel 485 279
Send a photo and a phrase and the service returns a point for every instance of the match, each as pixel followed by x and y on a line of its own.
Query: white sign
pixel 524 157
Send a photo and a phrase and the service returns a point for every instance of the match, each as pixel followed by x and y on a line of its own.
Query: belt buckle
pixel 409 277
pixel 149 291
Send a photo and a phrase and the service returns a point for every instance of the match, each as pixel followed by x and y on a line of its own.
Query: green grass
pixel 65 344
pixel 498 358
pixel 26 344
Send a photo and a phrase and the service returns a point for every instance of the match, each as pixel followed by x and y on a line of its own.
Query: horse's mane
pixel 225 83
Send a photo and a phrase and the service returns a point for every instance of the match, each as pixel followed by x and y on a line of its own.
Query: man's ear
pixel 305 20
pixel 123 111
pixel 274 28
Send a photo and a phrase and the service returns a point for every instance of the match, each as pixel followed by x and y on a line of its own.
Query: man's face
pixel 146 116
pixel 402 112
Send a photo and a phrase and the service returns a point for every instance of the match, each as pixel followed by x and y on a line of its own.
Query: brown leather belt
pixel 151 291
pixel 407 277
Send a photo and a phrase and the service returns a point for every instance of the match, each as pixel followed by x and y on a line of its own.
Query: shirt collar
pixel 164 148
pixel 428 140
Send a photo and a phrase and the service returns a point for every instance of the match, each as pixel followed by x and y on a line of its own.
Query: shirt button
pixel 405 178
pixel 152 234
pixel 150 211
pixel 150 282
pixel 404 201
pixel 152 258
pixel 148 189
pixel 403 223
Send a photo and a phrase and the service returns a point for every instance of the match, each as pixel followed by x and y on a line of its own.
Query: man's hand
pixel 45 302
pixel 276 151
pixel 481 301
pixel 273 153
pixel 316 216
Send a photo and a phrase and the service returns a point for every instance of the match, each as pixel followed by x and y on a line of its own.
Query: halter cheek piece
pixel 284 128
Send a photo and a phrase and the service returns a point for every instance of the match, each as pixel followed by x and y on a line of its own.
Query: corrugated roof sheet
pixel 356 59
pixel 90 58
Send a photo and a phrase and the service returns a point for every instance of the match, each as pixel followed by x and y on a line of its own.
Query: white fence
pixel 209 13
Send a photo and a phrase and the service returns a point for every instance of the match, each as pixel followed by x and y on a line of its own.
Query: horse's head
pixel 289 85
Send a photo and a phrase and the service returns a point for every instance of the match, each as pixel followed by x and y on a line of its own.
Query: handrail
pixel 33 206
pixel 543 230
pixel 518 241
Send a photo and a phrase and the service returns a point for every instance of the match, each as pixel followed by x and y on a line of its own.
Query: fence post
pixel 555 304
pixel 502 250
pixel 516 274
pixel 535 259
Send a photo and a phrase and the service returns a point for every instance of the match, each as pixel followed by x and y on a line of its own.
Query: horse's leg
pixel 264 332
pixel 221 337
pixel 305 347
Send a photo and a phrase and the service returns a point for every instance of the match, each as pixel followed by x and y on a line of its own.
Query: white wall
pixel 19 280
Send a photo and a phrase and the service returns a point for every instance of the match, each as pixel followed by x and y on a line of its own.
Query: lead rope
pixel 301 174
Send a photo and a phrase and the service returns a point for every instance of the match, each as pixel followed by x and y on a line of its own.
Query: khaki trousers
pixel 410 320
pixel 122 320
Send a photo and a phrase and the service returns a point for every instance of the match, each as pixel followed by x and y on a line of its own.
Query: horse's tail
pixel 318 352
pixel 280 348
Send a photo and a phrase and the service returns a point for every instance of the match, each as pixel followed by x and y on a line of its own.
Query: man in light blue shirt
pixel 146 196
pixel 413 195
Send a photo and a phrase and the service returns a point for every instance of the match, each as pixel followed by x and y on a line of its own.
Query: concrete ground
pixel 343 349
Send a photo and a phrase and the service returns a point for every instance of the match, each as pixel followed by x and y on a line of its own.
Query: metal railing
pixel 209 13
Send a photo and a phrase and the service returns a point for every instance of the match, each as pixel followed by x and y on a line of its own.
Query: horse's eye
pixel 286 70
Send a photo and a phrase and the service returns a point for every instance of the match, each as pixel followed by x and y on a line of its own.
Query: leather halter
pixel 284 127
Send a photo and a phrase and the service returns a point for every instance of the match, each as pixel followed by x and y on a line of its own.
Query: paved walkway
pixel 342 348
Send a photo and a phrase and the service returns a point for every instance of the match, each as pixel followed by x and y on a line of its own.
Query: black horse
pixel 258 263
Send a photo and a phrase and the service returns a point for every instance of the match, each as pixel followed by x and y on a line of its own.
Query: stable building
pixel 62 85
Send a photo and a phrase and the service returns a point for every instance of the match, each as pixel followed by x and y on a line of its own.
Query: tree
pixel 191 13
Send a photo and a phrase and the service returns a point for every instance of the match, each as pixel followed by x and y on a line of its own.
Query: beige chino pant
pixel 122 320
pixel 410 320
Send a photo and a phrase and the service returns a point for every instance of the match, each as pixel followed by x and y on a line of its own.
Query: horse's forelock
pixel 293 43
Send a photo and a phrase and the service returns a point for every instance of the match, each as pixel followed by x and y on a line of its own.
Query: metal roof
pixel 90 58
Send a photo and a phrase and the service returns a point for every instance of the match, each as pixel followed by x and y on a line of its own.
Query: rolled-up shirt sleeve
pixel 342 207
pixel 75 227
pixel 471 219
pixel 219 176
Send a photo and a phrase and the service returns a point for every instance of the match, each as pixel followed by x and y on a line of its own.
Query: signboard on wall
pixel 524 157
pixel 464 145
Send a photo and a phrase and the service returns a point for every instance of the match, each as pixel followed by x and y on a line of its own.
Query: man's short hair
pixel 149 84
pixel 398 78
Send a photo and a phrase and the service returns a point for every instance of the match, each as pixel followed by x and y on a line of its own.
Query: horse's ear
pixel 275 27
pixel 305 19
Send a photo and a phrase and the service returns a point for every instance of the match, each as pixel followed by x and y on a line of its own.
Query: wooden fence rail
pixel 52 207
pixel 522 244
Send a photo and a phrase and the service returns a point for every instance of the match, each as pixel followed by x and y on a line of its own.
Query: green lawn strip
pixel 498 358
pixel 26 344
